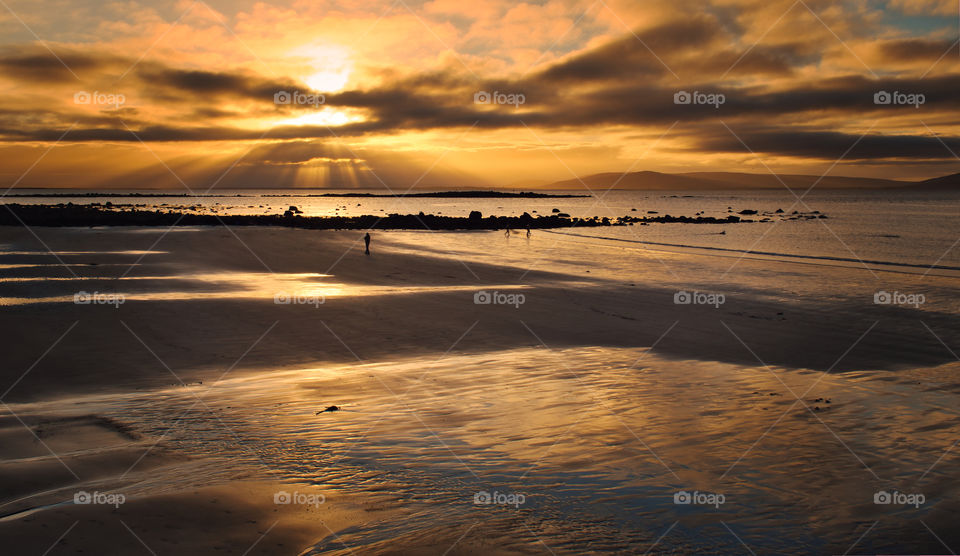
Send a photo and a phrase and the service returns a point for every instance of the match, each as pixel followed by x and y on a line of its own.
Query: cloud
pixel 796 81
pixel 925 7
pixel 831 145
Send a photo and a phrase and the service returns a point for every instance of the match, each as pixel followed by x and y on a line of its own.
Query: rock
pixel 293 209
pixel 633 210
pixel 748 211
pixel 563 215
pixel 778 211
pixel 556 210
pixel 652 212
pixel 476 215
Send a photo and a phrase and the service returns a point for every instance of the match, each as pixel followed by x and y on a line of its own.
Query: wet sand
pixel 509 382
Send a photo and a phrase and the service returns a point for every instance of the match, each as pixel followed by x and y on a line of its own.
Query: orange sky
pixel 352 94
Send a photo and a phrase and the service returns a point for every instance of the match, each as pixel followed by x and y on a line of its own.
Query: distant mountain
pixel 724 180
pixel 944 182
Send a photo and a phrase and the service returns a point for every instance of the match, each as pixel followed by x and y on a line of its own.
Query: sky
pixel 446 93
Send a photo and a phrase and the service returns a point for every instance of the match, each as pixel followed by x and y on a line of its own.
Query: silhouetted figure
pixel 366 241
pixel 528 232
pixel 506 233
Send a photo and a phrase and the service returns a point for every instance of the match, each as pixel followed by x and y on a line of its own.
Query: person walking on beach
pixel 366 241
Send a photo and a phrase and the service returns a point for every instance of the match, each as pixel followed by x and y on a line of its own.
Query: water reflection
pixel 280 287
pixel 597 444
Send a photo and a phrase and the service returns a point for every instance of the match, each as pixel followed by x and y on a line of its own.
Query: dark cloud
pixel 38 65
pixel 635 54
pixel 915 49
pixel 197 86
pixel 292 152
pixel 830 145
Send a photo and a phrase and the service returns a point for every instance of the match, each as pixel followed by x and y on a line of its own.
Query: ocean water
pixel 908 227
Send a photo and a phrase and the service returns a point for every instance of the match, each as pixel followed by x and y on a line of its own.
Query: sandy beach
pixel 196 391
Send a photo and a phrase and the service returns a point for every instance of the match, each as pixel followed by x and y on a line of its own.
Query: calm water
pixel 895 226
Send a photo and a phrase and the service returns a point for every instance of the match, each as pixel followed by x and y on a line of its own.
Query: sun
pixel 325 68
pixel 330 64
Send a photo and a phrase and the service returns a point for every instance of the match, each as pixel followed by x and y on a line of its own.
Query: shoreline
pixel 428 194
pixel 152 398
pixel 71 215
pixel 404 295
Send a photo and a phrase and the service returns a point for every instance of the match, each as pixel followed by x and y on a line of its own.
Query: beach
pixel 483 405
pixel 479 278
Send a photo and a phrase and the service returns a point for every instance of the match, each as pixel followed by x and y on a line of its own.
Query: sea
pixel 905 227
